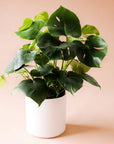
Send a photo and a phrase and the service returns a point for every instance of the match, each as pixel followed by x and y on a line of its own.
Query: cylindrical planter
pixel 48 120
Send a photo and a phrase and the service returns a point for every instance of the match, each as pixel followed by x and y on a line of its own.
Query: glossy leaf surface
pixel 64 22
pixel 70 81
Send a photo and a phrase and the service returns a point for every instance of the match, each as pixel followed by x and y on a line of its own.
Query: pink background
pixel 90 113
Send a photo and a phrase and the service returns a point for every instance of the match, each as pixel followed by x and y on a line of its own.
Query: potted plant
pixel 48 77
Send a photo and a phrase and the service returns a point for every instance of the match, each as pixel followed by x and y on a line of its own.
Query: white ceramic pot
pixel 48 120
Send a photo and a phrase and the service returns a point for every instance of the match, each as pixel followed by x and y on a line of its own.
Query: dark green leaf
pixel 26 24
pixel 42 16
pixel 64 22
pixel 35 89
pixel 70 81
pixel 79 67
pixel 33 31
pixel 48 46
pixel 22 57
pixel 93 52
pixel 56 49
pixel 90 79
pixel 89 29
pixel 41 59
pixel 46 69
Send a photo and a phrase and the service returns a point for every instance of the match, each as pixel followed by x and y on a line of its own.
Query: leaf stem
pixel 55 63
pixel 62 65
pixel 28 72
pixel 67 64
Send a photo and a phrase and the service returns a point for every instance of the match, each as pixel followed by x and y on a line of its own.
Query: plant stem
pixel 23 76
pixel 62 65
pixel 67 64
pixel 55 63
pixel 28 72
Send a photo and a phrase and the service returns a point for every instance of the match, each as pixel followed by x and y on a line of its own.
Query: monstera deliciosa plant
pixel 50 76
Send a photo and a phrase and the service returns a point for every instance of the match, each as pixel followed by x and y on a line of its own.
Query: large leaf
pixel 22 57
pixel 89 29
pixel 70 81
pixel 42 71
pixel 90 79
pixel 2 80
pixel 79 67
pixel 41 59
pixel 33 31
pixel 64 22
pixel 48 45
pixel 42 16
pixel 35 89
pixel 93 52
pixel 26 24
pixel 56 49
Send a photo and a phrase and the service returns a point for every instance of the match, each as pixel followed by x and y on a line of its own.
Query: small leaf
pixel 26 24
pixel 33 31
pixel 35 89
pixel 90 79
pixel 42 16
pixel 64 22
pixel 79 67
pixel 2 80
pixel 89 29
pixel 70 81
pixel 41 59
pixel 26 46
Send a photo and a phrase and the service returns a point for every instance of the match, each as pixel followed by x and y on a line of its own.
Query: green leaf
pixel 26 46
pixel 79 67
pixel 2 80
pixel 70 81
pixel 26 24
pixel 41 59
pixel 48 46
pixel 56 49
pixel 42 16
pixel 35 89
pixel 89 29
pixel 90 79
pixel 93 52
pixel 33 31
pixel 64 22
pixel 46 69
pixel 22 57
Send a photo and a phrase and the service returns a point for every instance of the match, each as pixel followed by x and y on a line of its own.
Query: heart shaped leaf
pixel 89 29
pixel 93 52
pixel 26 24
pixel 79 67
pixel 64 22
pixel 35 89
pixel 33 31
pixel 41 59
pixel 46 69
pixel 42 16
pixel 70 81
pixel 23 56
pixel 56 49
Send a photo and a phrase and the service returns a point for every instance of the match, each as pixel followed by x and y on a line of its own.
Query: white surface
pixel 48 120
